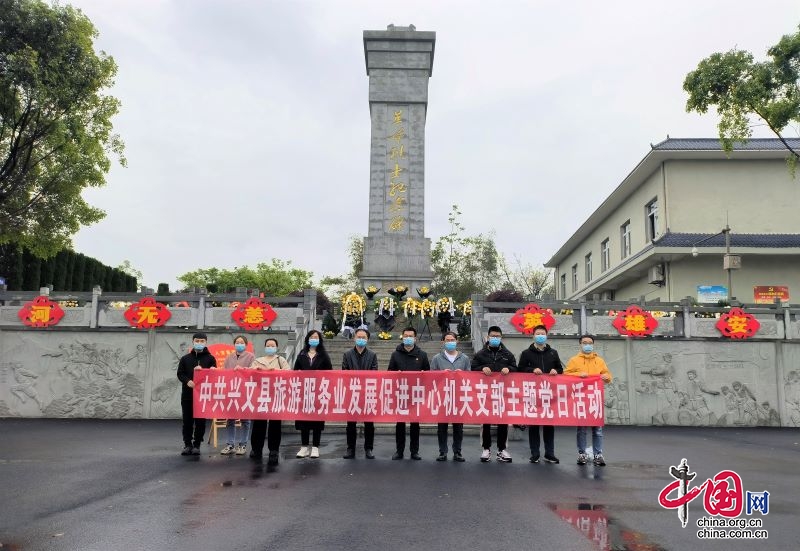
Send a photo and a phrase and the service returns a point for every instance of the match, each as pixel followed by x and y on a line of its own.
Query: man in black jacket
pixel 360 358
pixel 408 357
pixel 494 358
pixel 540 359
pixel 198 358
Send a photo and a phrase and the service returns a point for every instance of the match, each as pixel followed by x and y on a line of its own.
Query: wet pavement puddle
pixel 602 529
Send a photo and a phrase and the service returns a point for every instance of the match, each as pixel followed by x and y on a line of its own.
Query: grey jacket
pixel 441 363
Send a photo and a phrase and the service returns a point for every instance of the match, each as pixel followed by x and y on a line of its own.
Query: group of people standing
pixel 540 358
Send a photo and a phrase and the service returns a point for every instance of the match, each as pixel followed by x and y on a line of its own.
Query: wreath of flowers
pixel 384 336
pixel 424 291
pixel 353 304
pixel 398 291
pixel 411 307
pixel 385 306
pixel 427 308
pixel 466 308
pixel 371 291
pixel 446 305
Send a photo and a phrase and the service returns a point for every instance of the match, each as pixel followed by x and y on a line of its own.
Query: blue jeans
pixel 244 432
pixel 597 439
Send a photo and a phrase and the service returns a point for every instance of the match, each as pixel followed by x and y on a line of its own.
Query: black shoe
pixel 255 455
pixel 349 454
pixel 397 455
pixel 195 450
pixel 272 458
pixel 415 456
pixel 442 457
pixel 187 450
pixel 534 458
pixel 458 457
pixel 368 454
pixel 551 458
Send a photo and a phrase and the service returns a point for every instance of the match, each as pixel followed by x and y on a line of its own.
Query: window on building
pixel 652 219
pixel 588 264
pixel 605 255
pixel 625 239
pixel 574 277
pixel 563 285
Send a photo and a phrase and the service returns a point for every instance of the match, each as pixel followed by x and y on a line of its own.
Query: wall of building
pixel 757 196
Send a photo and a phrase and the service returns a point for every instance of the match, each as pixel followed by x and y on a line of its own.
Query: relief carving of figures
pixel 617 406
pixel 791 389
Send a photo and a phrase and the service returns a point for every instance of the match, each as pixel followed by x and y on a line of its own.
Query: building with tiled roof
pixel 659 234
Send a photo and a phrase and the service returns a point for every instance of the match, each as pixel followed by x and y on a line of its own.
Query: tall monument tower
pixel 399 64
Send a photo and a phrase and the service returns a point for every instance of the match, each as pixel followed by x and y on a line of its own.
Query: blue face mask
pixel 240 347
pixel 450 346
pixel 494 341
pixel 313 343
pixel 587 348
pixel 361 342
pixel 270 350
pixel 199 346
pixel 408 341
pixel 540 339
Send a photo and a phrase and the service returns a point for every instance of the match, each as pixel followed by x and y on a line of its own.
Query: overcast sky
pixel 247 125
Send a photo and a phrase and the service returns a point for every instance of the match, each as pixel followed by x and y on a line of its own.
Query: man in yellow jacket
pixel 586 363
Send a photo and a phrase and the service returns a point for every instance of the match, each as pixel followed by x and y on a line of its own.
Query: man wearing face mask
pixel 198 358
pixel 450 359
pixel 360 358
pixel 540 359
pixel 408 357
pixel 586 363
pixel 494 358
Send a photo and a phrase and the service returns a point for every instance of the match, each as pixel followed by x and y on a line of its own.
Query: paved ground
pixel 119 485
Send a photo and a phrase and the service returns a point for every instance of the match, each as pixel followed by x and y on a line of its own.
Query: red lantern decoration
pixel 147 314
pixel 737 324
pixel 40 312
pixel 254 315
pixel 635 322
pixel 526 319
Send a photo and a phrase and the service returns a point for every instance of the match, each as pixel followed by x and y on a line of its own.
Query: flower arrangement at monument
pixel 328 334
pixel 398 291
pixel 385 306
pixel 466 308
pixel 371 291
pixel 384 336
pixel 427 308
pixel 424 291
pixel 446 310
pixel 353 304
pixel 411 307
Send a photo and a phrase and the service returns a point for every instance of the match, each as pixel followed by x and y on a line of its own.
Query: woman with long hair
pixel 312 357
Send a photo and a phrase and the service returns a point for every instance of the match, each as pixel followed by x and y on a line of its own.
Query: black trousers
pixel 317 436
pixel 193 429
pixel 548 434
pixel 369 435
pixel 458 435
pixel 261 428
pixel 502 437
pixel 400 437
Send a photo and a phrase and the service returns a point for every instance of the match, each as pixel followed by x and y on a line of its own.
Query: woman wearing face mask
pixel 312 357
pixel 584 364
pixel 539 358
pixel 239 359
pixel 271 429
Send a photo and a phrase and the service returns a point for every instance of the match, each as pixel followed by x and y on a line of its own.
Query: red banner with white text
pixel 392 396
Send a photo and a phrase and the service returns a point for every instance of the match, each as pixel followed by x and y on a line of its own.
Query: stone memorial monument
pixel 399 63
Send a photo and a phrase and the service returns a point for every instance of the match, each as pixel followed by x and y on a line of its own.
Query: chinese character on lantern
pixel 528 318
pixel 147 314
pixel 254 315
pixel 635 322
pixel 737 324
pixel 40 312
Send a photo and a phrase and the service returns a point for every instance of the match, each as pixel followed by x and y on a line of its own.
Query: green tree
pixel 526 279
pixel 276 278
pixel 741 88
pixel 163 290
pixel 55 123
pixel 462 264
pixel 127 268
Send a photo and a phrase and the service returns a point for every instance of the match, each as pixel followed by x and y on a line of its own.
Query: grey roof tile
pixel 767 240
pixel 712 144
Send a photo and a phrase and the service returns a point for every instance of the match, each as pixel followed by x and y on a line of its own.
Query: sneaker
pixel 503 456
pixel 273 458
pixel 368 454
pixel 195 450
pixel 442 457
pixel 227 450
pixel 486 455
pixel 303 452
pixel 187 450
pixel 582 459
pixel 551 458
pixel 241 450
pixel 349 454
pixel 534 458
pixel 314 452
pixel 397 455
pixel 599 460
pixel 458 457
